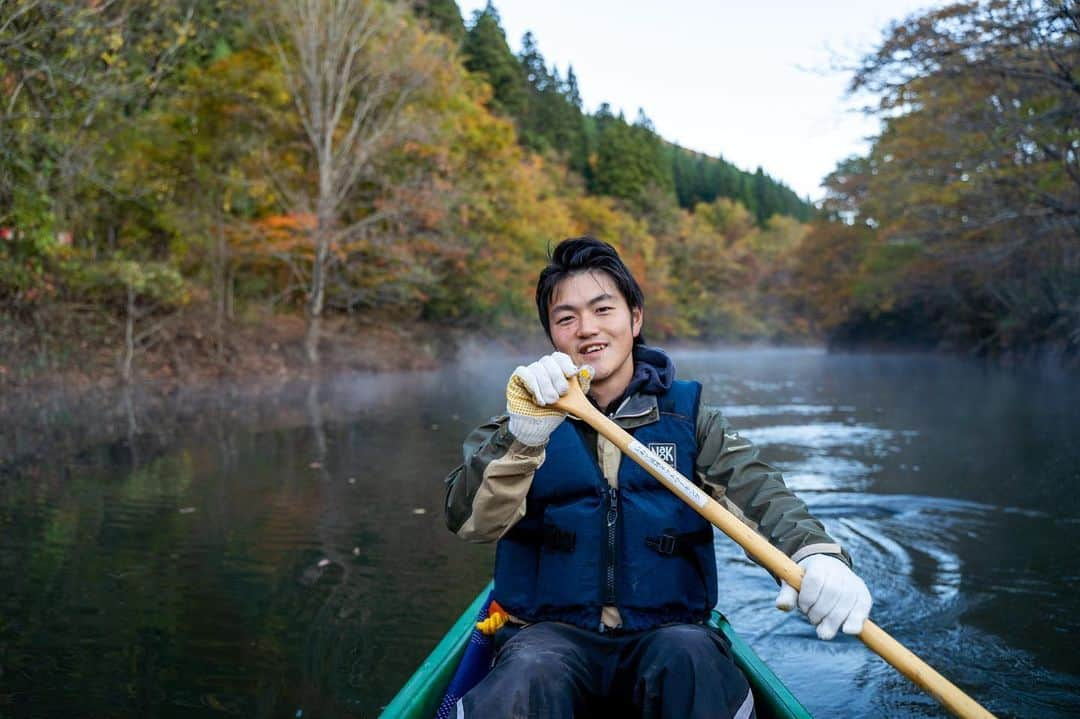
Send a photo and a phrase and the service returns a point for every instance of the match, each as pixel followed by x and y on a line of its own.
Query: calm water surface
pixel 282 554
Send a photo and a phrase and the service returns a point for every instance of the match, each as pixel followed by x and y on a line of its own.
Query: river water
pixel 281 553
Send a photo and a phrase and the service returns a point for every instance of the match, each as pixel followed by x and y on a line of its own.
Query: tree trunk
pixel 311 340
pixel 230 293
pixel 318 294
pixel 220 281
pixel 129 336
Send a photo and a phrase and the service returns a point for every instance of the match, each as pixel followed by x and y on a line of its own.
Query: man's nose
pixel 586 326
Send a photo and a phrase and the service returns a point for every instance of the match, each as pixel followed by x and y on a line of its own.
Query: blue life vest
pixel 583 545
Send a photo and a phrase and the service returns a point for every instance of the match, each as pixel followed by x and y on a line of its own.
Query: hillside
pixel 197 188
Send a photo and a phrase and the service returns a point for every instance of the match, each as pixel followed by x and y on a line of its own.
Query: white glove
pixel 546 381
pixel 831 596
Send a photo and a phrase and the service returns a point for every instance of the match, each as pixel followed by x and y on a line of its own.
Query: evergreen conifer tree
pixel 487 53
pixel 444 16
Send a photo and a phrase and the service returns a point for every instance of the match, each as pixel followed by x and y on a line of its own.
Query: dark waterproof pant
pixel 550 670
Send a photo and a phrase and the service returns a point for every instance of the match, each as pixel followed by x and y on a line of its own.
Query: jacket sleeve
pixel 485 495
pixel 730 469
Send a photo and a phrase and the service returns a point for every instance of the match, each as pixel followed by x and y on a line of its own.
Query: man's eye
pixel 564 320
pixel 604 310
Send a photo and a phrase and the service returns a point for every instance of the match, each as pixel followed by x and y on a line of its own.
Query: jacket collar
pixel 636 405
pixel 637 410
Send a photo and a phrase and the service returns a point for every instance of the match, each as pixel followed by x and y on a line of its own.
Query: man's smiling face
pixel 591 321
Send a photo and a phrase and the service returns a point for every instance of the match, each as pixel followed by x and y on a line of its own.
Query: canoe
pixel 421 695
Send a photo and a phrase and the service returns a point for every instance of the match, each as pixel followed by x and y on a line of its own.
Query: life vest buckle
pixel 666 544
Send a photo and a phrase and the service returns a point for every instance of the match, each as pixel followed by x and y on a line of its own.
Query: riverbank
pixel 62 391
pixel 69 350
pixel 61 388
pixel 63 349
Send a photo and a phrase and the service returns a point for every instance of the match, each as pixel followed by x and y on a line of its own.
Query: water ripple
pixel 771 410
pixel 903 547
pixel 828 436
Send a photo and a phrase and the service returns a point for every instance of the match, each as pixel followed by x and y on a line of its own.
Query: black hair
pixel 582 254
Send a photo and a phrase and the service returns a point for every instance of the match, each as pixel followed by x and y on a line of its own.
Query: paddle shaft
pixel 892 651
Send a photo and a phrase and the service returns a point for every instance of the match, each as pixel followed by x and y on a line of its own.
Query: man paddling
pixel 607 576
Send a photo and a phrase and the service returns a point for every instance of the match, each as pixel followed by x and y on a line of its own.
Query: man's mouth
pixel 592 349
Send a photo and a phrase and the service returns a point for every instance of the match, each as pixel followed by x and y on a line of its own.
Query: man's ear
pixel 637 317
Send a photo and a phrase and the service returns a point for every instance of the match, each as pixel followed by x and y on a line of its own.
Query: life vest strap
pixel 671 544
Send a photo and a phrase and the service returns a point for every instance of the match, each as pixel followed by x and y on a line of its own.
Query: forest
pixel 187 183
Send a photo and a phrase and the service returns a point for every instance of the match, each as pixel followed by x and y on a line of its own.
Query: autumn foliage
pixel 961 228
pixel 175 137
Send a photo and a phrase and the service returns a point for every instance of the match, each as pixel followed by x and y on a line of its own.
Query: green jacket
pixel 486 494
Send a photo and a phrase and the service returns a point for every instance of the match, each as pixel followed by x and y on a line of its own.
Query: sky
pixel 747 80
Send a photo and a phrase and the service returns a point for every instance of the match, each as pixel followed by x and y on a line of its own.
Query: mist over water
pixel 264 552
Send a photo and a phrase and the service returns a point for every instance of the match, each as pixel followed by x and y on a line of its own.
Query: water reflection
pixel 265 551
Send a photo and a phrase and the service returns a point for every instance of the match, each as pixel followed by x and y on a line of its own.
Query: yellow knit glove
pixel 533 388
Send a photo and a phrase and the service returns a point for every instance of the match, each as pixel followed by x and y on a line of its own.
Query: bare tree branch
pixel 348 65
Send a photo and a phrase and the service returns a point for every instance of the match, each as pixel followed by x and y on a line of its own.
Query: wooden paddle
pixel 892 651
